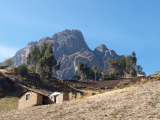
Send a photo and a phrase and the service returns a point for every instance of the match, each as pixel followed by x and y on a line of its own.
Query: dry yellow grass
pixel 136 102
pixel 89 94
pixel 137 83
pixel 143 81
pixel 158 78
pixel 150 80
pixel 141 101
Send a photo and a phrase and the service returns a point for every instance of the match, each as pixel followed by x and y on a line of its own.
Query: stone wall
pixel 60 98
pixel 51 99
pixel 23 103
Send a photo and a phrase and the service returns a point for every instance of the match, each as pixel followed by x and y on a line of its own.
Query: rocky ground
pixel 136 102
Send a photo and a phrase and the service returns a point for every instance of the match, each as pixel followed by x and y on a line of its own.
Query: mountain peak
pixel 101 47
pixel 63 34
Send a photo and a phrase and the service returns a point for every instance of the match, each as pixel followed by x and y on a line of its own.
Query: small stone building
pixel 34 98
pixel 55 97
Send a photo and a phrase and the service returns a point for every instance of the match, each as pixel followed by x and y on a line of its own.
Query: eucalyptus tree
pixel 95 68
pixel 105 63
pixel 128 64
pixel 122 66
pixel 133 61
pixel 111 67
pixel 104 72
pixel 133 72
pixel 82 67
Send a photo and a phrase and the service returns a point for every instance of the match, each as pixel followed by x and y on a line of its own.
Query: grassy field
pixel 10 101
pixel 8 104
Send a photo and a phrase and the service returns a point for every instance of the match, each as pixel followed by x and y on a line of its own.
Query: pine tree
pixel 47 61
pixel 43 48
pixel 32 58
pixel 133 59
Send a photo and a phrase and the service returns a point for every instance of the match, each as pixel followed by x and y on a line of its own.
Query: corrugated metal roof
pixel 55 93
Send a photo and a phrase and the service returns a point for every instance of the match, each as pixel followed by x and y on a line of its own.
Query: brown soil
pixel 105 83
pixel 136 102
pixel 33 81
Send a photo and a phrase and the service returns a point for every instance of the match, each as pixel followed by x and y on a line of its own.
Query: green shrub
pixel 111 76
pixel 32 68
pixel 116 73
pixel 22 69
pixel 16 69
pixel 76 77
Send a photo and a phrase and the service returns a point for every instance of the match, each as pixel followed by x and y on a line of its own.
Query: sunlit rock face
pixel 69 47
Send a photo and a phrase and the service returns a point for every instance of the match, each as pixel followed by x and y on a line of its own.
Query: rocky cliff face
pixel 1 63
pixel 69 48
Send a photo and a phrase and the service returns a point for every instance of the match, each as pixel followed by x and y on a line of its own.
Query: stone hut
pixel 35 97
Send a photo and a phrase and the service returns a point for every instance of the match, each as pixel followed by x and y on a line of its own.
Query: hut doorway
pixel 56 99
pixel 43 100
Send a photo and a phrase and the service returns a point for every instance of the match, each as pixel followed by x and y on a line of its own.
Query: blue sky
pixel 122 25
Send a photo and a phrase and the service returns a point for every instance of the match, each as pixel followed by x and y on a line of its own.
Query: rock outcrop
pixel 69 48
pixel 157 73
pixel 1 63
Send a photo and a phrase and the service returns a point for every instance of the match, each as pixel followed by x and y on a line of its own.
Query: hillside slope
pixel 33 81
pixel 137 102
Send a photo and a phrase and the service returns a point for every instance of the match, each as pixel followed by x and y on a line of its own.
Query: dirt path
pixel 137 102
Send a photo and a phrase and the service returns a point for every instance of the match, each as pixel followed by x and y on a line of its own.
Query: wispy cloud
pixel 6 52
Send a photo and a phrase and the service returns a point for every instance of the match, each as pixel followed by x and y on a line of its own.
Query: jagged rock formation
pixel 69 48
pixel 103 54
pixel 1 63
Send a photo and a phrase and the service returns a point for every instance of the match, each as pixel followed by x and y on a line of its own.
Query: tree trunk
pixel 95 76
